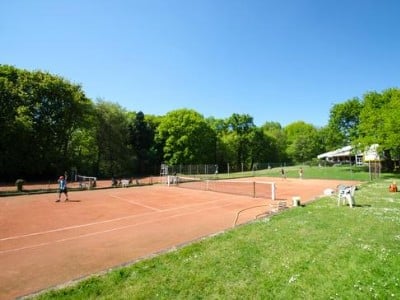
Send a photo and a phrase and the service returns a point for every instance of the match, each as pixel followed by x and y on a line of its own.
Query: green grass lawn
pixel 319 251
pixel 345 172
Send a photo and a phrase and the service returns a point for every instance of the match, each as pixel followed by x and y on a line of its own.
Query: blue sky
pixel 280 61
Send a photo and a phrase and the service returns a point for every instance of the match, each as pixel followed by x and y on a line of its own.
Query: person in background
pixel 62 188
pixel 301 173
pixel 283 174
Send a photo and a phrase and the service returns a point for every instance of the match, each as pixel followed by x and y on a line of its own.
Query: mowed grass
pixel 319 251
pixel 345 172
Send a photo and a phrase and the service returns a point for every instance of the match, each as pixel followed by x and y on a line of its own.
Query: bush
pixel 20 184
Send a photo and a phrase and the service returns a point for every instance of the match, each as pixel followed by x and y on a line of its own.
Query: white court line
pixel 101 232
pixel 136 203
pixel 81 225
pixel 97 223
pixel 64 228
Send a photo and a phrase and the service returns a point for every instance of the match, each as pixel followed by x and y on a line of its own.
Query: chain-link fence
pixel 214 169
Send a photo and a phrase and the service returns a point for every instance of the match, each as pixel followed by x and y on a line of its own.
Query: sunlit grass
pixel 320 251
pixel 346 172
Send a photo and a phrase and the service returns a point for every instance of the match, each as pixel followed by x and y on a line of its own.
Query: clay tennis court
pixel 45 244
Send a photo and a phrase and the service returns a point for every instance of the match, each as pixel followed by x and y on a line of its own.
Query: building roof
pixel 370 154
pixel 345 151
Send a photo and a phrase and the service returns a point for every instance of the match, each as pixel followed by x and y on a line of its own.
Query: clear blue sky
pixel 281 60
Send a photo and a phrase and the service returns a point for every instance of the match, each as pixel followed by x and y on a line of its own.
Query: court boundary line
pixel 134 202
pixel 102 232
pixel 103 222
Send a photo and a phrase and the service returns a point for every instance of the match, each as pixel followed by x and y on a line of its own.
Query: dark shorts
pixel 63 191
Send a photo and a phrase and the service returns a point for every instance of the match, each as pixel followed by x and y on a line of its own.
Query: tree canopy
pixel 187 138
pixel 380 121
pixel 39 113
pixel 48 125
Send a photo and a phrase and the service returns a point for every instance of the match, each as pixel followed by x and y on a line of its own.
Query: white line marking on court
pixel 136 203
pixel 81 225
pixel 101 222
pixel 100 232
pixel 67 228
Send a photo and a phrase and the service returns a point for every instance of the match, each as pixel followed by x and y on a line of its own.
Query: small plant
pixel 20 184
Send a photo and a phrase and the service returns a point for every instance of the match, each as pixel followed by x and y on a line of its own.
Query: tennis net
pixel 255 189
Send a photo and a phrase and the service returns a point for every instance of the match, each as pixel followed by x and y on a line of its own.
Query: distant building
pixel 348 154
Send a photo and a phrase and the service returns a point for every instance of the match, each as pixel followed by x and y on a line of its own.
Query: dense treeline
pixel 48 126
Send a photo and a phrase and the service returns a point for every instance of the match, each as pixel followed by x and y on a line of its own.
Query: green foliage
pixel 343 123
pixel 141 137
pixel 375 119
pixel 224 152
pixel 262 147
pixel 187 138
pixel 278 142
pixel 83 150
pixel 112 139
pixel 48 125
pixel 380 120
pixel 302 141
pixel 320 251
pixel 241 133
pixel 372 119
pixel 41 112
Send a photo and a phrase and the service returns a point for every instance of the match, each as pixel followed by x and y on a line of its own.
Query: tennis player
pixel 62 188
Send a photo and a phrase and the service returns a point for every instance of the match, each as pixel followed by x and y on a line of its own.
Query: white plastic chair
pixel 346 193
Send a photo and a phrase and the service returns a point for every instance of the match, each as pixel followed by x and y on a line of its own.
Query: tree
pixel 10 135
pixel 342 129
pixel 392 123
pixel 278 142
pixel 84 150
pixel 156 150
pixel 221 153
pixel 141 138
pixel 239 127
pixel 46 111
pixel 379 122
pixel 262 147
pixel 115 157
pixel 302 141
pixel 187 138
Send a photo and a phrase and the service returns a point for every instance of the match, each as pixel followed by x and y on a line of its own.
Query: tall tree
pixel 141 137
pixel 278 142
pixel 392 123
pixel 10 135
pixel 262 147
pixel 302 139
pixel 379 122
pixel 240 126
pixel 156 150
pixel 342 129
pixel 47 109
pixel 221 156
pixel 187 138
pixel 114 155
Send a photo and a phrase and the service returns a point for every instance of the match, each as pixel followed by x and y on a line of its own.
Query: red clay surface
pixel 44 244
